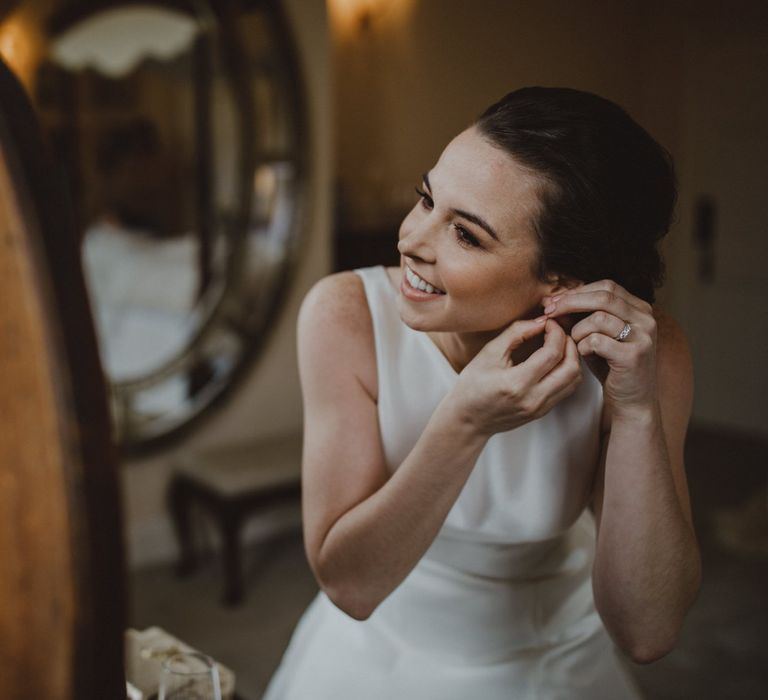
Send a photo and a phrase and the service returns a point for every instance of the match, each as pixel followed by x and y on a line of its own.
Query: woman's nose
pixel 417 238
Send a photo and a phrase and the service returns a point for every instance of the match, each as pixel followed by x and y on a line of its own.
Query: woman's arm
pixel 366 530
pixel 647 568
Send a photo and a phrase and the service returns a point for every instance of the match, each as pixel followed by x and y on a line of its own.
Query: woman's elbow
pixel 349 596
pixel 645 640
pixel 345 587
pixel 647 652
pixel 349 601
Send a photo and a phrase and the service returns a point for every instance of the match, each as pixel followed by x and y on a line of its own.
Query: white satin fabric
pixel 500 607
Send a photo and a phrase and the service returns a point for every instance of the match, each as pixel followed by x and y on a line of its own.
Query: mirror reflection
pixel 178 129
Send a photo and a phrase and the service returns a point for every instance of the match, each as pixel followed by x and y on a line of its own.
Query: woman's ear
pixel 560 284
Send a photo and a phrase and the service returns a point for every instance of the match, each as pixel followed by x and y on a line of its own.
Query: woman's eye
pixel 426 200
pixel 465 238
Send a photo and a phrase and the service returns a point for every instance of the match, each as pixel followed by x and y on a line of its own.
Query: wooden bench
pixel 232 485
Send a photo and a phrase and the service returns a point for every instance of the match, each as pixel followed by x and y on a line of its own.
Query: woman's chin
pixel 440 326
pixel 421 325
pixel 417 322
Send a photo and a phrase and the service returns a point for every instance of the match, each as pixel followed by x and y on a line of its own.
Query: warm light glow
pixel 14 48
pixel 22 40
pixel 350 17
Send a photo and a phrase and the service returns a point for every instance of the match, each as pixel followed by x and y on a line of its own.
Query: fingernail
pixel 557 298
pixel 549 309
pixel 540 319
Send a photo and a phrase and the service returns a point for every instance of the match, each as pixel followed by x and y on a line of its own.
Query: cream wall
pixel 405 88
pixel 268 401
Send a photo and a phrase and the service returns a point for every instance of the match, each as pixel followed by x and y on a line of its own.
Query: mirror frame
pixel 134 439
pixel 64 595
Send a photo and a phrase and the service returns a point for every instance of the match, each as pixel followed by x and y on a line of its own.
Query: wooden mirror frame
pixel 62 576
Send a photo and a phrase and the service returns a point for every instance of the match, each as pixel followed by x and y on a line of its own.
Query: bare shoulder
pixel 673 351
pixel 667 324
pixel 674 376
pixel 335 328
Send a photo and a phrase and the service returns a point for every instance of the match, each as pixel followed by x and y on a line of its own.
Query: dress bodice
pixel 529 484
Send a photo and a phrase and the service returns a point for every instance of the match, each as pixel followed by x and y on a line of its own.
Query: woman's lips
pixel 418 282
pixel 414 294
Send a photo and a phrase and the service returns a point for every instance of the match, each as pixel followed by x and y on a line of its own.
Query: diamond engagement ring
pixel 624 332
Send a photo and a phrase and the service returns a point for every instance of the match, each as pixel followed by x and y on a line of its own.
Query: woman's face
pixel 471 237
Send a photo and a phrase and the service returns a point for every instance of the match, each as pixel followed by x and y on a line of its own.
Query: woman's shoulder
pixel 340 299
pixel 672 341
pixel 674 359
pixel 335 330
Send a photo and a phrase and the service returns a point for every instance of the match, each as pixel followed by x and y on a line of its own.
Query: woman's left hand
pixel 629 380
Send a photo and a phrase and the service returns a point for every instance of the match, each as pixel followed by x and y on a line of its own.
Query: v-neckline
pixel 425 338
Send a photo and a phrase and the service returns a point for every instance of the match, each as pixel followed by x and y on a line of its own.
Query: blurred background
pixel 222 157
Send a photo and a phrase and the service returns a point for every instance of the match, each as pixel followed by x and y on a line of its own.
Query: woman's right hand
pixel 495 395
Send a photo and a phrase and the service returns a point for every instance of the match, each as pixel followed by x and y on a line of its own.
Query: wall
pixel 405 87
pixel 269 400
pixel 725 145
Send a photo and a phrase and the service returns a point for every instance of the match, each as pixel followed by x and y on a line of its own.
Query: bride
pixel 495 502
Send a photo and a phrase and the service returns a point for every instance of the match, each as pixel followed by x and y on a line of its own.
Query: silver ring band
pixel 624 332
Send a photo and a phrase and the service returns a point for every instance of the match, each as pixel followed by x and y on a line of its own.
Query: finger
pixel 611 287
pixel 554 399
pixel 566 374
pixel 515 335
pixel 600 300
pixel 602 345
pixel 563 381
pixel 547 357
pixel 597 322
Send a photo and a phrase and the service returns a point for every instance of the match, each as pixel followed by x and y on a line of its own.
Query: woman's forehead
pixel 474 175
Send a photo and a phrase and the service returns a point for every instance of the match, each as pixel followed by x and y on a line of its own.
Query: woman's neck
pixel 460 348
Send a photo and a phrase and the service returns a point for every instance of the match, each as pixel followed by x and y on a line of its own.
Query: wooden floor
pixel 723 652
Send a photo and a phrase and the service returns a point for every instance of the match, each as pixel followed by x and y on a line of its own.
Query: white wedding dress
pixel 500 607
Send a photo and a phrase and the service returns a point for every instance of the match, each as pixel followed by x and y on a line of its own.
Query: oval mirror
pixel 179 128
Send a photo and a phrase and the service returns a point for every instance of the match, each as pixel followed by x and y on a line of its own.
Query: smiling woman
pixel 494 491
pixel 474 191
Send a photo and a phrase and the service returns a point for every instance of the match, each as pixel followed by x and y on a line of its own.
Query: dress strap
pixel 382 303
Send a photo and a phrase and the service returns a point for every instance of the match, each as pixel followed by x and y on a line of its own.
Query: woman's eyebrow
pixel 465 214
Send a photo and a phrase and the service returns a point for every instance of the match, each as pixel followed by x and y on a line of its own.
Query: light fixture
pixel 353 16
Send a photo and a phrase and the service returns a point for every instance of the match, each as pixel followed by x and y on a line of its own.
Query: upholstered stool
pixel 232 484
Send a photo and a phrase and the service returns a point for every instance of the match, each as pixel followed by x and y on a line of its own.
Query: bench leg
pixel 234 590
pixel 179 502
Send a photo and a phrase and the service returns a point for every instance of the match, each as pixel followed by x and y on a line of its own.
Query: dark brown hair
pixel 609 188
